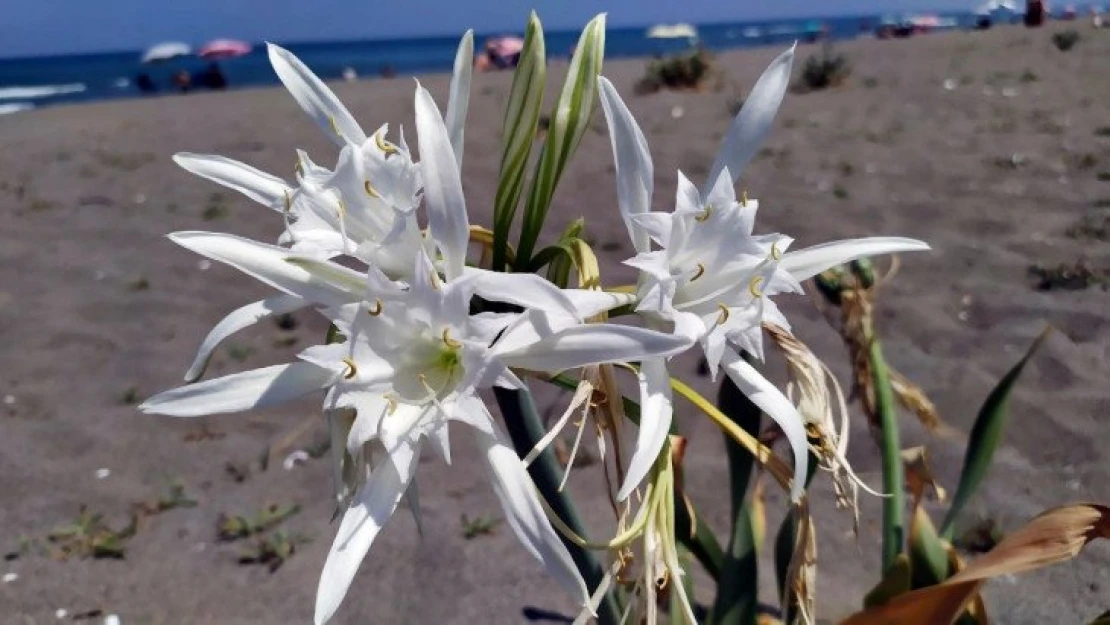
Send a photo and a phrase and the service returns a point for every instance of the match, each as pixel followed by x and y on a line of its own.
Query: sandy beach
pixel 990 146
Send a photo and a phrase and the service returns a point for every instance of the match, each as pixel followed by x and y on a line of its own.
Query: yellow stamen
pixel 288 200
pixel 298 168
pixel 377 309
pixel 753 286
pixel 370 190
pixel 744 197
pixel 722 316
pixel 450 342
pixel 352 370
pixel 334 126
pixel 702 216
pixel 383 146
pixel 699 273
pixel 775 253
pixel 391 399
pixel 434 278
pixel 342 207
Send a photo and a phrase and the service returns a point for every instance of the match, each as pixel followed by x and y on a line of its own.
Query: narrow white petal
pixel 754 121
pixel 525 514
pixel 315 98
pixel 658 226
pixel 590 302
pixel 523 289
pixel 237 320
pixel 774 404
pixel 635 172
pixel 368 514
pixel 594 344
pixel 258 185
pixel 806 263
pixel 460 94
pixel 256 388
pixel 443 193
pixel 268 263
pixel 656 410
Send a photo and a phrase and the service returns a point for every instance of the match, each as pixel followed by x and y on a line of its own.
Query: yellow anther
pixel 298 168
pixel 702 216
pixel 775 253
pixel 722 316
pixel 434 277
pixel 390 399
pixel 334 126
pixel 450 342
pixel 383 146
pixel 663 579
pixel 744 197
pixel 753 286
pixel 699 273
pixel 376 310
pixel 352 370
pixel 288 200
pixel 342 206
pixel 370 190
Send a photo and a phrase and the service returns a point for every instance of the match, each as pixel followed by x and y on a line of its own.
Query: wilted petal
pixel 237 320
pixel 315 97
pixel 460 94
pixel 635 172
pixel 656 411
pixel 806 263
pixel 258 185
pixel 752 124
pixel 257 388
pixel 368 514
pixel 774 404
pixel 443 193
pixel 517 494
pixel 593 344
pixel 267 263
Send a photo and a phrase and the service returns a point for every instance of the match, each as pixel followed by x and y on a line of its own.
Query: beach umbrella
pixel 224 49
pixel 165 51
pixel 672 31
pixel 506 46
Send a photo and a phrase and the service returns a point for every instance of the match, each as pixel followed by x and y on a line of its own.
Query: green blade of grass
pixel 985 437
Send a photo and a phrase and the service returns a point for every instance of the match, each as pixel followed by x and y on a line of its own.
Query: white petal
pixel 460 94
pixel 258 185
pixel 256 388
pixel 524 513
pixel 315 97
pixel 524 289
pixel 594 344
pixel 657 225
pixel 806 263
pixel 590 302
pixel 752 124
pixel 635 172
pixel 237 320
pixel 267 263
pixel 369 512
pixel 656 411
pixel 443 193
pixel 774 404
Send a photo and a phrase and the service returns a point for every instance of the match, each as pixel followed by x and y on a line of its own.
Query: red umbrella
pixel 224 49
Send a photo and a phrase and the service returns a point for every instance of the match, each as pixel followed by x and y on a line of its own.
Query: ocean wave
pixel 39 91
pixel 15 107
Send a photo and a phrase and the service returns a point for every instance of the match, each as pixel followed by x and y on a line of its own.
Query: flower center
pixel 432 369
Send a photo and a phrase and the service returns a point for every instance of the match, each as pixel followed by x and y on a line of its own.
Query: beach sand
pixel 98 309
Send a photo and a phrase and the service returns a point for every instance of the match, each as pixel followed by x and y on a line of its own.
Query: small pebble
pixel 9 578
pixel 61 613
pixel 140 198
pixel 111 619
pixel 950 84
pixel 1009 92
pixel 204 265
pixel 99 275
pixel 103 473
pixel 9 400
pixel 295 458
pixel 962 315
pixel 677 112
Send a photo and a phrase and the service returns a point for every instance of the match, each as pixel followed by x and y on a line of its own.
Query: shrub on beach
pixel 1066 39
pixel 687 70
pixel 828 69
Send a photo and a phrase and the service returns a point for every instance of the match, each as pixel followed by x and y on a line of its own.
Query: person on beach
pixel 212 77
pixel 145 83
pixel 182 81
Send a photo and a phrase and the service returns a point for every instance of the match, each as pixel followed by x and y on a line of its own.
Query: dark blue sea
pixel 27 83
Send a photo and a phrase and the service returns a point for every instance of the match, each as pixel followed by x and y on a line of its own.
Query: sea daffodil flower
pixel 711 275
pixel 414 359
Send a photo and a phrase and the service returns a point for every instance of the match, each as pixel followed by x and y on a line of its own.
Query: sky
pixel 44 27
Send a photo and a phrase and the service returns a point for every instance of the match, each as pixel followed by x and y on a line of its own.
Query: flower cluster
pixel 417 332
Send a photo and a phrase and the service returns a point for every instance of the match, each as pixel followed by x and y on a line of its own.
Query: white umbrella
pixel 672 31
pixel 165 51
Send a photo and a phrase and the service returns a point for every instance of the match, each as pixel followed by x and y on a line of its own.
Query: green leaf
pixel 519 132
pixel 737 590
pixel 896 581
pixel 985 437
pixel 894 504
pixel 569 121
pixel 928 553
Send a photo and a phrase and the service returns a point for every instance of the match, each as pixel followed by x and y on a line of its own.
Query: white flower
pixel 712 277
pixel 415 358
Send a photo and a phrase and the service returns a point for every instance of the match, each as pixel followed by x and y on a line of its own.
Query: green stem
pixel 526 429
pixel 894 504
